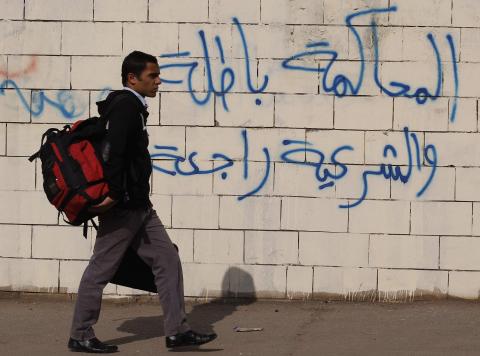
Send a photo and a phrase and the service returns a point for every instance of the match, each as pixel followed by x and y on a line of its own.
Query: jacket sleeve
pixel 120 126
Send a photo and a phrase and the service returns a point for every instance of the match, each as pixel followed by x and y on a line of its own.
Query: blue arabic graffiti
pixel 227 75
pixel 324 175
pixel 342 85
pixel 64 101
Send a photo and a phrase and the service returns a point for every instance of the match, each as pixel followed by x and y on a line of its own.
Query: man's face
pixel 148 82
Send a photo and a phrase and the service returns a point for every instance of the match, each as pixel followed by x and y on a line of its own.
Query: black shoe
pixel 92 345
pixel 188 338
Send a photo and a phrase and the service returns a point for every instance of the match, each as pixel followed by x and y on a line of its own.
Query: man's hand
pixel 106 204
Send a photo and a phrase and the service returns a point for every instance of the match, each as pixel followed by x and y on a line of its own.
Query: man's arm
pixel 121 120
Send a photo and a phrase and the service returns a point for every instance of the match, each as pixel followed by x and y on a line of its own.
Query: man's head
pixel 140 72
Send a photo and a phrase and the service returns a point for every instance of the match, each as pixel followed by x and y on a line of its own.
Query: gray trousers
pixel 142 229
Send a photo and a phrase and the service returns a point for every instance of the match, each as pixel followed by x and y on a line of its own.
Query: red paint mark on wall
pixel 32 66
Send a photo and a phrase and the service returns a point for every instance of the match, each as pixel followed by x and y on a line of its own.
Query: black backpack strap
pixel 44 136
pixel 85 227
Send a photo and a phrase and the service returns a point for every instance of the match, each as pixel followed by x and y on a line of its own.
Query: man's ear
pixel 131 78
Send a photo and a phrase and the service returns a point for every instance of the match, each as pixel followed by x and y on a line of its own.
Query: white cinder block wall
pixel 325 148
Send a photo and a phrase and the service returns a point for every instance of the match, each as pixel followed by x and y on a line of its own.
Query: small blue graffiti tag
pixel 324 175
pixel 64 102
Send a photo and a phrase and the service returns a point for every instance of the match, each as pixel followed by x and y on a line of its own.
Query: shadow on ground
pixel 201 318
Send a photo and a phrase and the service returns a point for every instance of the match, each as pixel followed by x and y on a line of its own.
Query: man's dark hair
pixel 135 63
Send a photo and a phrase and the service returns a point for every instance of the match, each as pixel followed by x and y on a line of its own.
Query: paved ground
pixel 35 325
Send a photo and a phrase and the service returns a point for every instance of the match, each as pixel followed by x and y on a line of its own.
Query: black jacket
pixel 127 161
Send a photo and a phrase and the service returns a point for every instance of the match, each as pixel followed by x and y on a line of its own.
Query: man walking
pixel 126 217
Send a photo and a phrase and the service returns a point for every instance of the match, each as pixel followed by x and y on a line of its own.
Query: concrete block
pixel 263 40
pixel 441 218
pixel 74 104
pixel 349 283
pixel 199 212
pixel 258 280
pixel 244 112
pixel 327 249
pixel 12 9
pixel 21 174
pixel 166 136
pixel 459 252
pixel 247 11
pixel 292 12
pixel 125 10
pixel 178 11
pixel 301 181
pixel 426 13
pixel 189 40
pixel 465 117
pixel 465 13
pixel 262 213
pixel 23 37
pixel 153 38
pixel 298 111
pixel 15 241
pixel 327 141
pixel 468 48
pixel 468 77
pixel 81 10
pixel 26 208
pixel 60 242
pixel 335 12
pixel 205 280
pixel 377 216
pixel 163 206
pixel 404 285
pixel 404 251
pixel 271 247
pixel 335 36
pixel 227 141
pixel 313 215
pixel 456 149
pixel 218 246
pixel 299 282
pixel 442 187
pixel 180 109
pixel 71 273
pixel 464 285
pixel 24 139
pixel 108 71
pixel 375 143
pixel 91 38
pixel 236 184
pixel 466 184
pixel 388 48
pixel 287 82
pixel 29 275
pixel 200 184
pixel 49 72
pixel 435 118
pixel 351 186
pixel 417 47
pixel 356 113
pixel 184 240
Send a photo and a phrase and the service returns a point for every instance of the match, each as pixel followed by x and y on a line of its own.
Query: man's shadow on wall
pixel 237 289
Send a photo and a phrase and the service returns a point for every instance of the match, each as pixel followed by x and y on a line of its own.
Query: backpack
pixel 73 167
